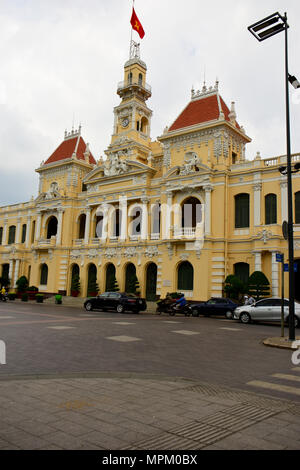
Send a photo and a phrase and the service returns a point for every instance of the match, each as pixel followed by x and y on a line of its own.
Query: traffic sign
pixel 279 257
pixel 286 267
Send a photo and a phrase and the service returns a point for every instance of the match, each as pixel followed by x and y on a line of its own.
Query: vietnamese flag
pixel 136 24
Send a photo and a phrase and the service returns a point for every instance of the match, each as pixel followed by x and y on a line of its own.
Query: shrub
pixel 234 287
pixel 258 285
pixel 12 295
pixel 75 285
pixel 33 289
pixel 39 298
pixel 22 284
pixel 112 285
pixel 24 297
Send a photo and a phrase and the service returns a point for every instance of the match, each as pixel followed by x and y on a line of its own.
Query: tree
pixel 22 284
pixel 112 285
pixel 133 285
pixel 234 287
pixel 93 287
pixel 258 285
pixel 75 285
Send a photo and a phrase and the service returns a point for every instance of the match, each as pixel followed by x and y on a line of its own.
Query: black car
pixel 120 302
pixel 215 306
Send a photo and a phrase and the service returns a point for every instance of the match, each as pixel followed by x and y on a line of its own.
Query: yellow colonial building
pixel 181 213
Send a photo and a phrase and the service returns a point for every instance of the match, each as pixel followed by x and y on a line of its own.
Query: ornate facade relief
pixel 192 162
pixel 114 165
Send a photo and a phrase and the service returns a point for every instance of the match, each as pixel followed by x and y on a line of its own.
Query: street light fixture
pixel 262 30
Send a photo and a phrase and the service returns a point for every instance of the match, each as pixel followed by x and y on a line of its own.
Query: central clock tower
pixel 132 118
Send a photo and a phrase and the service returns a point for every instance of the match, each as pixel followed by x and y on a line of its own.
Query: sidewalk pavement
pixel 136 411
pixel 282 343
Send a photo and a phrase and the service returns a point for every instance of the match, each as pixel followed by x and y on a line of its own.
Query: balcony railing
pixel 126 84
pixel 184 232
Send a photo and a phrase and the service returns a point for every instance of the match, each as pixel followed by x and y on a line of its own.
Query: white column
pixel 59 226
pixel 166 216
pixel 11 267
pixel 28 231
pixel 38 226
pixel 275 275
pixel 257 203
pixel 16 275
pixel 284 203
pixel 257 262
pixel 144 234
pixel 87 227
pixel 18 231
pixel 123 211
pixel 207 213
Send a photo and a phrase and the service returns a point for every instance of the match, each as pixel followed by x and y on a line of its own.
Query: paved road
pixel 106 381
pixel 47 339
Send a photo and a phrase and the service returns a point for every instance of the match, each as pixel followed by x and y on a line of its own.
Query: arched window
pixel 136 221
pixel 297 208
pixel 191 214
pixel 242 210
pixel 151 282
pixel 116 223
pixel 144 125
pixel 33 231
pixel 156 215
pixel 130 78
pixel 185 274
pixel 99 225
pixel 52 227
pixel 11 234
pixel 81 226
pixel 24 228
pixel 1 235
pixel 44 275
pixel 241 270
pixel 140 79
pixel 75 280
pixel 270 209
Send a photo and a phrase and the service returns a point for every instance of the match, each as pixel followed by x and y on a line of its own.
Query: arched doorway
pixel 44 275
pixel 75 280
pixel 5 274
pixel 92 286
pixel 52 227
pixel 151 280
pixel 130 278
pixel 81 226
pixel 185 277
pixel 110 282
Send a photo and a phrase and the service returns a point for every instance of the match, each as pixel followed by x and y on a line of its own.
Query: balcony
pixel 46 242
pixel 126 86
pixel 184 232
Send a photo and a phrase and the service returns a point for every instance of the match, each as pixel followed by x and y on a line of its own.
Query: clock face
pixel 125 122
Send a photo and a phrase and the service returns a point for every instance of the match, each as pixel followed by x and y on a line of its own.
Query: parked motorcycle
pixel 185 310
pixel 164 306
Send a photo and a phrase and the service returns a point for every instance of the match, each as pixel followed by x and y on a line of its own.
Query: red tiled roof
pixel 199 111
pixel 66 150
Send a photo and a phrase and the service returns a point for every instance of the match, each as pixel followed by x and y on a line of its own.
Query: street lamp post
pixel 262 30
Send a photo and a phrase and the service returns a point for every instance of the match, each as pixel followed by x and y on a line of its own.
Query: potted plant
pixel 93 288
pixel 11 295
pixel 22 285
pixel 39 298
pixel 58 299
pixel 32 291
pixel 24 297
pixel 75 286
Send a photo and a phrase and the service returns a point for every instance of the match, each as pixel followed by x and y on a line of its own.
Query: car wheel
pixel 120 308
pixel 195 313
pixel 245 317
pixel 89 306
pixel 228 315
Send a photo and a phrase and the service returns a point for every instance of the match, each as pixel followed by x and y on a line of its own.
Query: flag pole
pixel 131 34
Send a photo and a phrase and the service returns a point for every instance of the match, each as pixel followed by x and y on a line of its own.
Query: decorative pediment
pixel 53 193
pixel 115 167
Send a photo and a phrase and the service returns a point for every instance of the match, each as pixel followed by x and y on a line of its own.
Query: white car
pixel 266 310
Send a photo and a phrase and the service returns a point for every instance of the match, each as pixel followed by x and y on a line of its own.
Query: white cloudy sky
pixel 62 59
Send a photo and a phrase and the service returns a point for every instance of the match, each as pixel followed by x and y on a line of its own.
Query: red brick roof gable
pixel 199 111
pixel 66 149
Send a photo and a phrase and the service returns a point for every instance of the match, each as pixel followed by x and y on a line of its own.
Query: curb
pixel 280 343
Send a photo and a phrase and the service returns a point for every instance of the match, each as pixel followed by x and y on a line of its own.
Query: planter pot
pixel 40 301
pixel 58 301
pixel 74 293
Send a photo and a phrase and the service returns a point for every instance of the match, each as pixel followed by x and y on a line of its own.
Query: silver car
pixel 268 310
